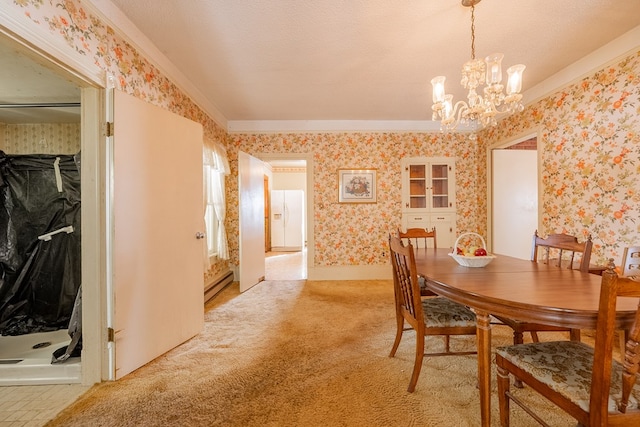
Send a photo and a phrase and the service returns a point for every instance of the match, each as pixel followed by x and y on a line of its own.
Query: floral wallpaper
pixel 42 138
pixel 357 234
pixel 590 143
pixel 589 134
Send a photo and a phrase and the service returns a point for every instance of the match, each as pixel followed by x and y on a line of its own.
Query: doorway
pixel 514 190
pixel 58 129
pixel 286 257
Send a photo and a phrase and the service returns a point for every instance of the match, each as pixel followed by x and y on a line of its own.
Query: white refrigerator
pixel 287 220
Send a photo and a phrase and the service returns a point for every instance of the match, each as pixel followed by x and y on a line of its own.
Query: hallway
pixel 286 265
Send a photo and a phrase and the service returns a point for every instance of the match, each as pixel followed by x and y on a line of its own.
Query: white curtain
pixel 216 167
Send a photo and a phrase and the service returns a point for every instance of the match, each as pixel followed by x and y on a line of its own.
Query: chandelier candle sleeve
pixel 438 88
pixel 514 85
pixel 494 68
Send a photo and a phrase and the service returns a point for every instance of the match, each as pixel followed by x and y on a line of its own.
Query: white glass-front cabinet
pixel 428 196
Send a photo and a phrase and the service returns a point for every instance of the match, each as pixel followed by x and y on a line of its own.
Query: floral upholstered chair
pixel 582 380
pixel 428 316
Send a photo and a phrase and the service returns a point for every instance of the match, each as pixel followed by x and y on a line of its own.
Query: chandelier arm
pixel 503 109
pixel 458 108
pixel 456 114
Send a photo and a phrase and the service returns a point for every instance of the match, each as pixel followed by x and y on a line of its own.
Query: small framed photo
pixel 357 186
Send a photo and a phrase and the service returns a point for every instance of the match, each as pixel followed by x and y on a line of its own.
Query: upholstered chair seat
pixel 440 312
pixel 566 367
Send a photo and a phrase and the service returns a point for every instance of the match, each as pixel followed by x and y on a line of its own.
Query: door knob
pixel 199 235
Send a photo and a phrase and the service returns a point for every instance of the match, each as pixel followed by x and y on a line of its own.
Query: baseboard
pixel 217 284
pixel 351 272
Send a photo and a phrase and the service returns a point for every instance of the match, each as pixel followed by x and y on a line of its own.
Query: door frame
pixel 92 178
pixel 489 161
pixel 309 210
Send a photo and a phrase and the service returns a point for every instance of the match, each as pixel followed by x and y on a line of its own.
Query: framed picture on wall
pixel 357 186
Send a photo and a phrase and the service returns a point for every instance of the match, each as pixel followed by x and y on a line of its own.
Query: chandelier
pixel 480 110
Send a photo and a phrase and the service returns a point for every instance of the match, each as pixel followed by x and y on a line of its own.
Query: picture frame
pixel 357 186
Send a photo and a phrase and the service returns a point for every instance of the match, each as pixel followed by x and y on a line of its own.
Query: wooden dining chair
pixel 584 381
pixel 419 235
pixel 430 316
pixel 562 251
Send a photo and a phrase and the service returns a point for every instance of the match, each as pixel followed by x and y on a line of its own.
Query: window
pixel 216 166
pixel 213 182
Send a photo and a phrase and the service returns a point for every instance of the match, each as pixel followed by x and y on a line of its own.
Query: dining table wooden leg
pixel 484 365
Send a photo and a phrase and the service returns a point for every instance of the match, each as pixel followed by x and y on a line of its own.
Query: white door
pixel 515 201
pixel 251 188
pixel 158 277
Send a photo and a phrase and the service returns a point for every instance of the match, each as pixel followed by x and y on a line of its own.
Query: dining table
pixel 518 289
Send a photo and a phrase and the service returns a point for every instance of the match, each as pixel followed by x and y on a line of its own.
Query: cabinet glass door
pixel 417 186
pixel 440 186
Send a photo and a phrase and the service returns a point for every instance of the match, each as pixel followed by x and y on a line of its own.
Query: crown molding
pixel 613 51
pixel 276 126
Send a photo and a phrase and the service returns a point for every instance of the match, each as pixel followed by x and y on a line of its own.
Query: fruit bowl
pixel 471 261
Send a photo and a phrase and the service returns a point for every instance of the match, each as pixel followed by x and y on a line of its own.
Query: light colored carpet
pixel 298 353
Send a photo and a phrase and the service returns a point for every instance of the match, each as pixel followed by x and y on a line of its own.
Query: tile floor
pixel 34 405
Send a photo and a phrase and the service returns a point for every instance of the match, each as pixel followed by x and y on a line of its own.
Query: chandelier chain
pixel 473 32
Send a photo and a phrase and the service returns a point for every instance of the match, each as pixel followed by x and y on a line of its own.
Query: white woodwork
pixel 428 197
pixel 251 210
pixel 157 211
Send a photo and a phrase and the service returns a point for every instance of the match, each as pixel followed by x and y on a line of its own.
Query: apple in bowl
pixel 480 252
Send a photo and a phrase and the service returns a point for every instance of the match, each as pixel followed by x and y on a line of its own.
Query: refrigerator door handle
pixel 286 214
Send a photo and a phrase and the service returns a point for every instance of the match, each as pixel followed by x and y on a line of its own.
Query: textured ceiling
pixel 275 60
pixel 363 59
